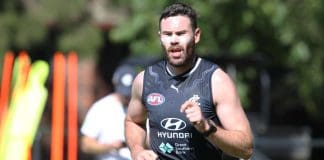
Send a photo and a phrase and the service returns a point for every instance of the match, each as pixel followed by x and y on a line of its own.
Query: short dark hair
pixel 180 9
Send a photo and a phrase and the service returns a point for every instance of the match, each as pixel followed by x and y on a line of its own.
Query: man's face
pixel 178 39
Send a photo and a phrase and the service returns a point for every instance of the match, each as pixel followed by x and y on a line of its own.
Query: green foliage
pixel 61 12
pixel 7 29
pixel 141 30
pixel 27 24
pixel 28 32
pixel 288 34
pixel 71 39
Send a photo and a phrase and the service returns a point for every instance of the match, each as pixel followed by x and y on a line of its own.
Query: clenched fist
pixel 195 116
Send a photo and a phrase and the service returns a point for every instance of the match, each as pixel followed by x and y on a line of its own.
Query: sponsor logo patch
pixel 166 147
pixel 155 99
pixel 173 124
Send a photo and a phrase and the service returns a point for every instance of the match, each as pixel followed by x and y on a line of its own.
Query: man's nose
pixel 174 39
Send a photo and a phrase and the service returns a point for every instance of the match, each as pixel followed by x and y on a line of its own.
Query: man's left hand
pixel 195 116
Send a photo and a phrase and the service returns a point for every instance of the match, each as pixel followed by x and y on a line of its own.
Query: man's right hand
pixel 146 155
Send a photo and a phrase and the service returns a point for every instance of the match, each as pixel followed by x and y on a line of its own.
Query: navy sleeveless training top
pixel 171 134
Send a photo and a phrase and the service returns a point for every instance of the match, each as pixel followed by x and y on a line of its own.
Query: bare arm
pixel 135 132
pixel 235 136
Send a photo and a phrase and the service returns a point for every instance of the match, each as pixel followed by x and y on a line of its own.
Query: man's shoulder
pixel 159 65
pixel 105 98
pixel 207 61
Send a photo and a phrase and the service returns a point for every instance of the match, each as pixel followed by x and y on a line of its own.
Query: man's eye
pixel 181 33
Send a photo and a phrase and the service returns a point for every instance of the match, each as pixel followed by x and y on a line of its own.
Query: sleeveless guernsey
pixel 171 134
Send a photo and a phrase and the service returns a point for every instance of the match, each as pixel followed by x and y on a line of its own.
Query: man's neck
pixel 178 70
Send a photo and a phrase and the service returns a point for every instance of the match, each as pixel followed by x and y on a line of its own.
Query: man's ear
pixel 197 34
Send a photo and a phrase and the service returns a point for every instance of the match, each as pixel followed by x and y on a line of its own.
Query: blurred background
pixel 273 50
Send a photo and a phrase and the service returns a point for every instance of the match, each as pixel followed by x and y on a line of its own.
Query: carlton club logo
pixel 155 99
pixel 173 124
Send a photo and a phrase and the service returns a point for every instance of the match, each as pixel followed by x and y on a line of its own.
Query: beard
pixel 187 57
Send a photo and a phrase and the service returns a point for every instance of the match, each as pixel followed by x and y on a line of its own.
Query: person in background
pixel 103 128
pixel 193 107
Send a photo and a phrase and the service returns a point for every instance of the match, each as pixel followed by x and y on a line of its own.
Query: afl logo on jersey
pixel 155 99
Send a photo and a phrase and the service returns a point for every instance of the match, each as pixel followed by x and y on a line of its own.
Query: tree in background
pixel 287 34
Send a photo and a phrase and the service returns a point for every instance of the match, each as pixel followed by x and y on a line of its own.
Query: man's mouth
pixel 176 54
pixel 175 51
